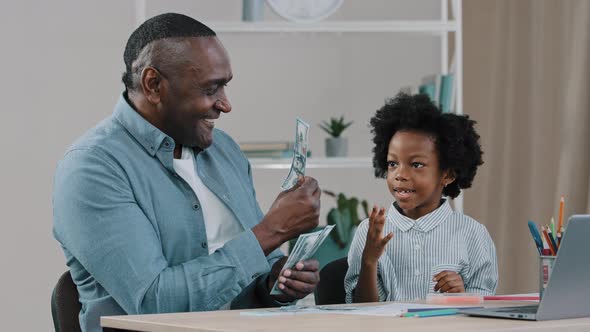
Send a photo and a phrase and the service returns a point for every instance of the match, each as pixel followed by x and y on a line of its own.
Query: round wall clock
pixel 304 11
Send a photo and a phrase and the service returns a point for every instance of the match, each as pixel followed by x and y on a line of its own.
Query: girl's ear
pixel 448 177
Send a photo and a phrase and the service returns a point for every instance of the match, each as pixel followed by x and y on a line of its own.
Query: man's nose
pixel 223 105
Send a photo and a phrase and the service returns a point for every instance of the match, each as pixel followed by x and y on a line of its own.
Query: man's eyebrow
pixel 218 81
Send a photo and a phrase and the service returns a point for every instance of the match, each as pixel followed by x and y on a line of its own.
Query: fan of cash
pixel 305 247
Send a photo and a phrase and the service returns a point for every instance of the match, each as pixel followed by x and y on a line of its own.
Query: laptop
pixel 567 294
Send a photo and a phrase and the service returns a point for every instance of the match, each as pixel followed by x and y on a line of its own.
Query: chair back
pixel 330 289
pixel 65 305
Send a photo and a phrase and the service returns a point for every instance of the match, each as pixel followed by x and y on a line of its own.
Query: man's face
pixel 193 95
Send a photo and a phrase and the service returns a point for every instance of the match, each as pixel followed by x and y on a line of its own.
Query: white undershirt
pixel 220 224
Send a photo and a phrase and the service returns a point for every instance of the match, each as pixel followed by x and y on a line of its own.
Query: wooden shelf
pixel 284 163
pixel 424 26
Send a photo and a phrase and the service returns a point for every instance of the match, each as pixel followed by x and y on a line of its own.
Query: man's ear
pixel 448 177
pixel 151 84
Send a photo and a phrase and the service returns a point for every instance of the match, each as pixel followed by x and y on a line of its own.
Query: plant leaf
pixel 346 226
pixel 342 202
pixel 335 218
pixel 353 205
pixel 326 129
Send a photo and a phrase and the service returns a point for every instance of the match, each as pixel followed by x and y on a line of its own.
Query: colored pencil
pixel 561 205
pixel 431 313
pixel 536 236
pixel 552 239
pixel 548 241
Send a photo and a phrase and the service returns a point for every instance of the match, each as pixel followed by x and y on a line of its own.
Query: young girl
pixel 421 245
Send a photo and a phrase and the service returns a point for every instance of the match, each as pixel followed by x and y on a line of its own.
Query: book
pixel 433 80
pixel 272 154
pixel 447 90
pixel 266 146
pixel 428 89
pixel 269 154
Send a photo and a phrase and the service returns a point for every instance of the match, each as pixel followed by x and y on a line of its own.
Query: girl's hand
pixel 449 282
pixel 375 241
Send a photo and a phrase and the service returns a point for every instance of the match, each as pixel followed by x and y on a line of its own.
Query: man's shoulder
pixel 222 138
pixel 103 140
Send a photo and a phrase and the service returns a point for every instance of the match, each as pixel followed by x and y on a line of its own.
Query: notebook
pixel 567 294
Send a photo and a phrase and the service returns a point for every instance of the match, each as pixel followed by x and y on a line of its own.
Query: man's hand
pixel 294 211
pixel 376 242
pixel 295 283
pixel 449 282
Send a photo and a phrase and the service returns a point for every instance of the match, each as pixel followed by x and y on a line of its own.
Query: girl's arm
pixel 366 289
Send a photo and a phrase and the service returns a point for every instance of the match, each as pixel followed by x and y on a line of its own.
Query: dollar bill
pixel 299 155
pixel 305 247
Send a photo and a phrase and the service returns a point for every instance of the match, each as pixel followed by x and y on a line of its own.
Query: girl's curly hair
pixel 455 137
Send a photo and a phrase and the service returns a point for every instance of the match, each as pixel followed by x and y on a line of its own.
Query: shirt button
pixel 417 273
pixel 417 247
pixel 166 144
pixel 196 206
pixel 204 244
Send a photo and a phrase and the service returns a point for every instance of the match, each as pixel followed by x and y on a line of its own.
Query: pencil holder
pixel 545 268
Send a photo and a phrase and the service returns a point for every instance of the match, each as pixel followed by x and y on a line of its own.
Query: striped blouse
pixel 420 249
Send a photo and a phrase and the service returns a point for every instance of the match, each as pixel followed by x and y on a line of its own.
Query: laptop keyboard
pixel 529 309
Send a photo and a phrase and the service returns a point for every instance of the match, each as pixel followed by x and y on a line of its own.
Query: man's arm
pixel 98 220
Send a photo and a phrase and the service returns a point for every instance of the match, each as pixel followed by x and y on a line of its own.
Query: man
pixel 155 209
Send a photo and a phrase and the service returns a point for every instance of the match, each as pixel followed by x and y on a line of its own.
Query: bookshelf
pixel 315 163
pixel 418 26
pixel 442 28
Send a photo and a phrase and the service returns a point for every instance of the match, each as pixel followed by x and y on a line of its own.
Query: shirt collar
pixel 424 223
pixel 150 137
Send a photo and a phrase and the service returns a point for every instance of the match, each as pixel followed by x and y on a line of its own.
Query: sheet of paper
pixel 393 309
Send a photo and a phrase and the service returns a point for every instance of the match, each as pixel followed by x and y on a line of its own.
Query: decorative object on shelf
pixel 336 146
pixel 252 10
pixel 304 11
pixel 440 88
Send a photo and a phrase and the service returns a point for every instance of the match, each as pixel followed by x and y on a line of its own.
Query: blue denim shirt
pixel 132 230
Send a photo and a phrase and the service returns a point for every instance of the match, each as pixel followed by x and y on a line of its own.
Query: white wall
pixel 61 66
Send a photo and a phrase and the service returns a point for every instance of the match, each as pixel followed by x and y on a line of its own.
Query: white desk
pixel 231 320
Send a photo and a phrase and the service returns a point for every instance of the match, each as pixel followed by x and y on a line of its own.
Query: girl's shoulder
pixel 466 222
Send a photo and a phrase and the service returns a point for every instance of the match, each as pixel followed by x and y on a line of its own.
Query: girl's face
pixel 414 177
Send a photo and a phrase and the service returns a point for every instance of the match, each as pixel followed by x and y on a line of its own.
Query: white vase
pixel 336 147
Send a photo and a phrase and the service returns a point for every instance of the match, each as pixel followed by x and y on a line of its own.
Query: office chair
pixel 330 289
pixel 65 306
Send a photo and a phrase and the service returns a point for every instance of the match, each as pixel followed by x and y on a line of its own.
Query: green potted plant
pixel 345 217
pixel 336 146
